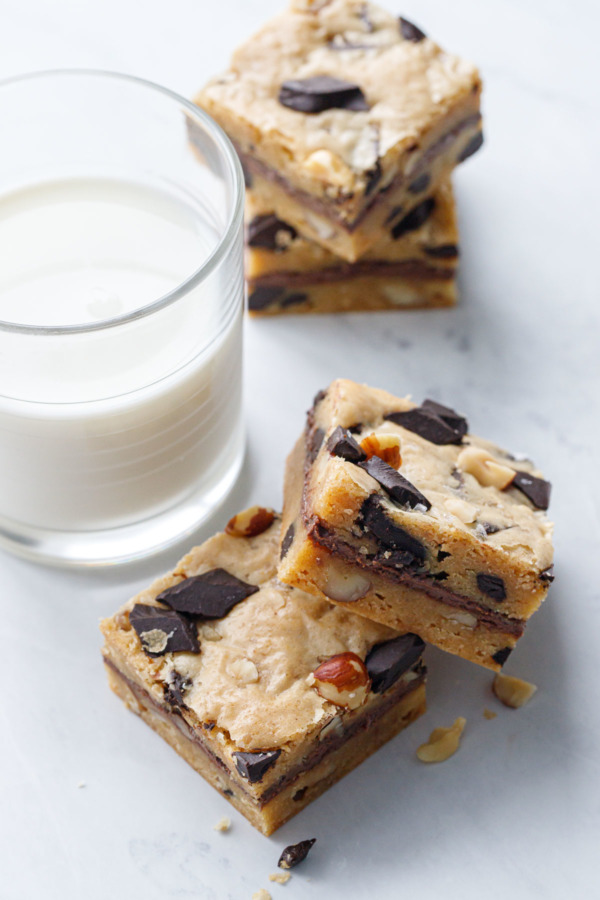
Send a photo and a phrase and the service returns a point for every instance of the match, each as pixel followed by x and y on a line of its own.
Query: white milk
pixel 105 428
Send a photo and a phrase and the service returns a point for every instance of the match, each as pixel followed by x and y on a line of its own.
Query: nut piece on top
pixel 453 544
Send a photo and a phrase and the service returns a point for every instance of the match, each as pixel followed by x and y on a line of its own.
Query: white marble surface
pixel 517 812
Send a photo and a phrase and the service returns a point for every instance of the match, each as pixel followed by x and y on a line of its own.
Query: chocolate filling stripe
pixel 257 167
pixel 408 268
pixel 325 537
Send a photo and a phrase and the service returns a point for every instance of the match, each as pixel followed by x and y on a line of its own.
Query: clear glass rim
pixel 224 243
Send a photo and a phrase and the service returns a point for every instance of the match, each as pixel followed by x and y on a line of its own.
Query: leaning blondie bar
pixel 269 693
pixel 398 513
pixel 345 117
pixel 414 265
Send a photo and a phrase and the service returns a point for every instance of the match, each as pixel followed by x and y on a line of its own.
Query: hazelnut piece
pixel 342 679
pixel 487 470
pixel 385 446
pixel 513 692
pixel 250 522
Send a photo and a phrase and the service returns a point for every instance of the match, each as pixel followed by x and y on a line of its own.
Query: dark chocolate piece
pixel 253 766
pixel 320 92
pixel 447 415
pixel 420 184
pixel 444 251
pixel 287 541
pixel 262 297
pixel 535 489
pixel 295 853
pixel 547 575
pixel 396 559
pixel 228 792
pixel 500 656
pixel 386 531
pixel 472 147
pixel 427 425
pixel 411 32
pixel 414 219
pixel 150 622
pixel 386 662
pixel 341 443
pixel 396 485
pixel 210 595
pixel 263 231
pixel 442 555
pixel 175 688
pixel 313 444
pixel 293 299
pixel 492 585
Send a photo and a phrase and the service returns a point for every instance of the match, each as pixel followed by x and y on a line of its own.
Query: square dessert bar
pixel 397 512
pixel 345 117
pixel 269 693
pixel 414 265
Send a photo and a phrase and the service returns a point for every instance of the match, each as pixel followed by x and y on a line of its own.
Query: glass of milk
pixel 121 301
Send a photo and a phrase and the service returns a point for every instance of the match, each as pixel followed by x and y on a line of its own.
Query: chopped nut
pixel 327 166
pixel 244 670
pixel 155 640
pixel 512 691
pixel 210 633
pixel 223 824
pixel 466 512
pixel 487 470
pixel 385 446
pixel 280 877
pixel 250 522
pixel 489 714
pixel 345 586
pixel 443 743
pixel 343 680
pixel 460 617
pixel 261 895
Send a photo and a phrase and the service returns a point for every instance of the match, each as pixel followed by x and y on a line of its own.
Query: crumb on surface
pixel 513 692
pixel 443 743
pixel 81 784
pixel 223 824
pixel 489 713
pixel 280 877
pixel 261 895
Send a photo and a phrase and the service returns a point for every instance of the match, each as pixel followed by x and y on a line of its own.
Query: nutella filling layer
pixel 408 268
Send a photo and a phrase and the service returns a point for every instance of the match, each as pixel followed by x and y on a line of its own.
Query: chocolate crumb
pixel 295 854
pixel 547 575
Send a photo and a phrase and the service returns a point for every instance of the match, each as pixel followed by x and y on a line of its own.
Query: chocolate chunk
pixel 386 662
pixel 373 177
pixel 447 415
pixel 163 630
pixel 547 575
pixel 492 585
pixel 396 559
pixel 254 765
pixel 293 299
pixel 472 147
pixel 228 793
pixel 411 32
pixel 414 219
pixel 427 425
pixel 442 555
pixel 295 853
pixel 500 656
pixel 444 251
pixel 210 595
pixel 320 92
pixel 396 485
pixel 263 231
pixel 175 688
pixel 387 532
pixel 420 184
pixel 313 444
pixel 341 443
pixel 261 297
pixel 535 489
pixel 287 541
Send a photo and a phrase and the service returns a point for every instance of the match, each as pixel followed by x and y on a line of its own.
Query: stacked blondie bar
pixel 348 122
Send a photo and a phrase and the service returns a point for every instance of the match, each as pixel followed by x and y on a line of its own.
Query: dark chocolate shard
pixel 320 92
pixel 313 444
pixel 175 688
pixel 293 299
pixel 269 232
pixel 548 575
pixel 472 147
pixel 261 297
pixel 295 853
pixel 447 415
pixel 427 425
pixel 210 595
pixel 394 484
pixel 411 32
pixel 442 555
pixel 387 532
pixel 414 219
pixel 341 443
pixel 386 662
pixel 535 489
pixel 444 251
pixel 253 766
pixel 420 184
pixel 163 630
pixel 492 585
pixel 287 541
pixel 500 656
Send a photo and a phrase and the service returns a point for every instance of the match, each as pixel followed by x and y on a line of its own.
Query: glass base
pixel 120 545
